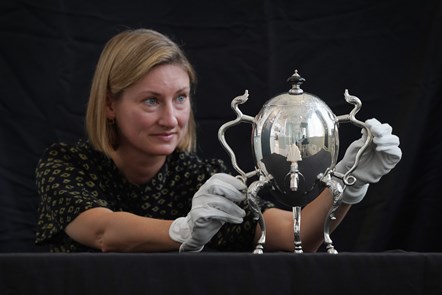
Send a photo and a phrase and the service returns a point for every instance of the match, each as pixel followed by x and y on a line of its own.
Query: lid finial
pixel 296 80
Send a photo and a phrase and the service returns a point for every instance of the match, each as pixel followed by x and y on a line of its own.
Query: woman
pixel 138 186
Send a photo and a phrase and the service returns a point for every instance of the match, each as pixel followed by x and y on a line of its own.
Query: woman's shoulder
pixel 81 149
pixel 75 154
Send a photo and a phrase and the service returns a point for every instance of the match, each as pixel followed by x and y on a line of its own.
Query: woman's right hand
pixel 212 206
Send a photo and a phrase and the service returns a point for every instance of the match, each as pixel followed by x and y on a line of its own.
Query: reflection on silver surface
pixel 294 136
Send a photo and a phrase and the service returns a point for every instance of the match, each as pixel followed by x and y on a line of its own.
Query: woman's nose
pixel 168 116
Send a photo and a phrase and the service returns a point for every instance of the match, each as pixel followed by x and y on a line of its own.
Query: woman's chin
pixel 163 150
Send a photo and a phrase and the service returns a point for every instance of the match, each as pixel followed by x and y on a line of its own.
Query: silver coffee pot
pixel 295 143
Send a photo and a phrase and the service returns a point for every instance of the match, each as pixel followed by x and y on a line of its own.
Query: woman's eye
pixel 181 99
pixel 151 101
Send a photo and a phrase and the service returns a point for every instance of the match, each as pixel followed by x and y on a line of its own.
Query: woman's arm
pixel 109 231
pixel 279 225
pixel 212 206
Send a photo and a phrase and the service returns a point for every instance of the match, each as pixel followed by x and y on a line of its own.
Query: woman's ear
pixel 110 108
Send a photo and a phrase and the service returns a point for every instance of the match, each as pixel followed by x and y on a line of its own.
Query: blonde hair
pixel 125 59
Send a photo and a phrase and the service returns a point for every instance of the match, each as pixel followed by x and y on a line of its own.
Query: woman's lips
pixel 165 136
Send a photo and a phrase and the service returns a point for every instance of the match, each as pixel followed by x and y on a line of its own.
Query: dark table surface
pixel 221 273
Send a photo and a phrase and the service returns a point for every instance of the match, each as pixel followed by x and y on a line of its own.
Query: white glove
pixel 377 160
pixel 212 206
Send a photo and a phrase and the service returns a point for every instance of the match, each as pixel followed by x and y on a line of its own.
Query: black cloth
pixel 221 273
pixel 74 178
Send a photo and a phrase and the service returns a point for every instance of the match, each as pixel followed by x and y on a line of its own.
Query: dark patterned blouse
pixel 75 178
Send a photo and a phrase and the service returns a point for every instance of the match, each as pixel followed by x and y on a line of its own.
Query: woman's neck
pixel 138 168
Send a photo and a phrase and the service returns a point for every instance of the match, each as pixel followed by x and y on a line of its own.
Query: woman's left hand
pixel 378 159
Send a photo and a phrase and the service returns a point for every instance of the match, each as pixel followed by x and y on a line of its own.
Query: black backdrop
pixel 386 52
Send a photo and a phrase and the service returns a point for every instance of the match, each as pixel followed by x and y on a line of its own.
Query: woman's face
pixel 152 114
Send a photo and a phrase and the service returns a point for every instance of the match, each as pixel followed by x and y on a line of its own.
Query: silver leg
pixel 252 199
pixel 297 228
pixel 336 190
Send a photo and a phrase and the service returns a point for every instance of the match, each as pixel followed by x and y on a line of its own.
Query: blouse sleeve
pixel 66 188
